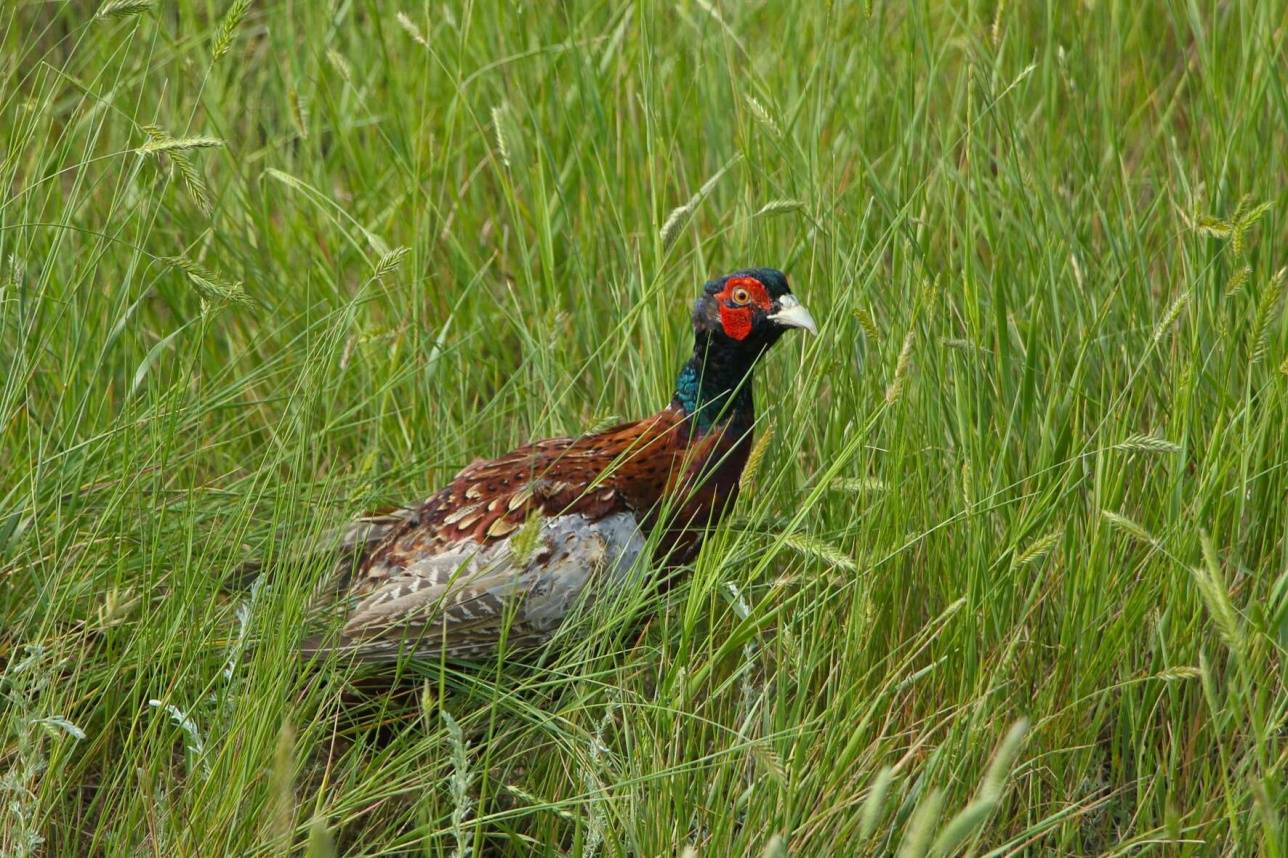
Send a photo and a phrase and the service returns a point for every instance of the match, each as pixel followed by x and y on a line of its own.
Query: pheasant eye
pixel 741 295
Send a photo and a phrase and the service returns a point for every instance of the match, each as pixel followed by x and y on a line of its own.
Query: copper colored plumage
pixel 511 546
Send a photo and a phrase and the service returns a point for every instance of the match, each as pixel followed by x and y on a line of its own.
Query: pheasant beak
pixel 792 314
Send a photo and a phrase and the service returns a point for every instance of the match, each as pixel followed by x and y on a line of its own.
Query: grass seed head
pixel 921 827
pixel 1173 313
pixel 123 8
pixel 895 390
pixel 341 65
pixel 412 30
pixel 178 144
pixel 1039 548
pixel 228 28
pixel 1147 444
pixel 874 803
pixel 776 207
pixel 1121 522
pixel 869 325
pixel 820 550
pixel 762 115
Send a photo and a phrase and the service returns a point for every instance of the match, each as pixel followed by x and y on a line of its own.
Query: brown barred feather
pixel 627 468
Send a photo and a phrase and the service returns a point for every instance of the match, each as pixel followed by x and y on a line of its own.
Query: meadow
pixel 1009 575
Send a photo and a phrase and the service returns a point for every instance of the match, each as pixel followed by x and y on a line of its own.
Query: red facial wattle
pixel 737 302
pixel 737 321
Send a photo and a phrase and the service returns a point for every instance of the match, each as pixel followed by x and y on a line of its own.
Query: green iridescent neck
pixel 715 385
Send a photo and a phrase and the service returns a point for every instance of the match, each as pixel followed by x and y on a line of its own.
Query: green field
pixel 1011 576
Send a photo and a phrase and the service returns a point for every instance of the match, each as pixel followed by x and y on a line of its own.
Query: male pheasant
pixel 460 573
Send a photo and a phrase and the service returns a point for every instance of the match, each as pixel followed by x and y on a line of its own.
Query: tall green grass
pixel 1012 578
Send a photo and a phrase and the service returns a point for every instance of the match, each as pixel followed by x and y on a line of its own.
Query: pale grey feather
pixel 463 600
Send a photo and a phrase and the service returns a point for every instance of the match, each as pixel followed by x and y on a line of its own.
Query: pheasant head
pixel 735 321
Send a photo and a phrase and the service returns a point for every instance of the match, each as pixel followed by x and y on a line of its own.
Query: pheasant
pixel 512 546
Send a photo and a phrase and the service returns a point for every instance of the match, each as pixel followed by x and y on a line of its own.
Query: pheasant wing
pixel 465 601
pixel 623 469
